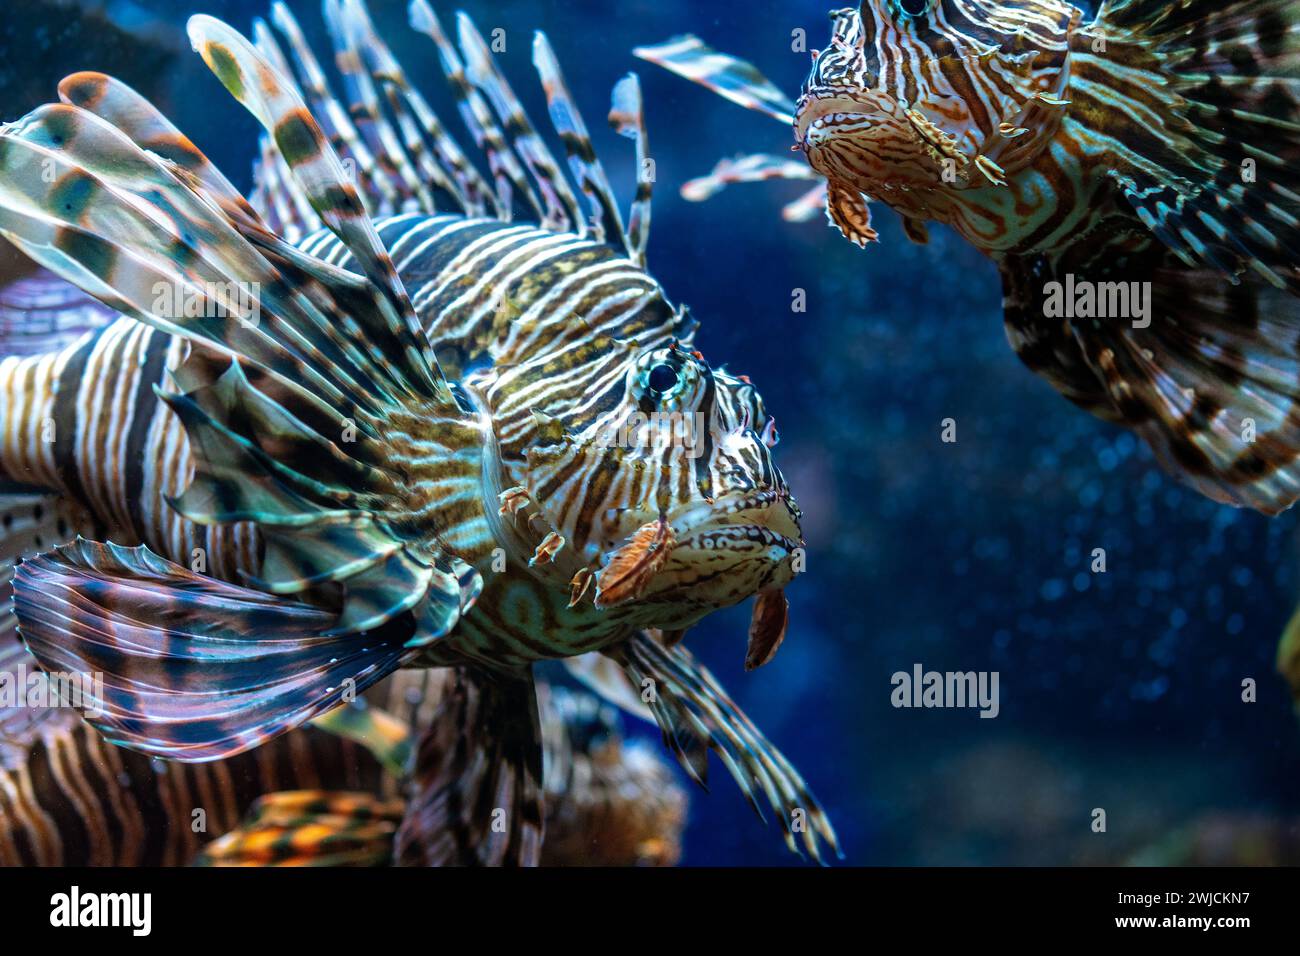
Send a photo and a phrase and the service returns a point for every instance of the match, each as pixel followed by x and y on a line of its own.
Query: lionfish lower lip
pixel 719 510
pixel 769 515
pixel 820 105
pixel 720 534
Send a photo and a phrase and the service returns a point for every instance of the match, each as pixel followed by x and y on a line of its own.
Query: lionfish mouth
pixel 769 512
pixel 822 109
pixel 739 536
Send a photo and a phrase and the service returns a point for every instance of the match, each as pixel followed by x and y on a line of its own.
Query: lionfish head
pixel 691 513
pixel 934 94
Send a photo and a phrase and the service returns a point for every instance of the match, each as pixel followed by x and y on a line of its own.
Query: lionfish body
pixel 337 431
pixel 1132 174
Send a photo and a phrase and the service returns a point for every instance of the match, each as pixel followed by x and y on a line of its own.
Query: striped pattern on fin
pixel 1201 124
pixel 583 162
pixel 30 521
pixel 373 184
pixel 194 669
pixel 366 110
pixel 120 106
pixel 316 358
pixel 696 716
pixel 561 205
pixel 1211 382
pixel 320 174
pixel 627 116
pixel 732 78
pixel 446 166
pixel 477 116
pixel 753 168
pixel 310 828
pixel 287 210
pixel 481 754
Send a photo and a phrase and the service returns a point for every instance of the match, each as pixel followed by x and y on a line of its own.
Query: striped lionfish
pixel 371 421
pixel 1142 163
pixel 324 795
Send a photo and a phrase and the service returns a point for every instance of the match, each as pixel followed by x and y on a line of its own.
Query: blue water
pixel 1119 691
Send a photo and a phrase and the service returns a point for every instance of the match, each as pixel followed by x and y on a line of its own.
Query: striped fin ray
pixel 1198 106
pixel 364 105
pixel 122 107
pixel 334 120
pixel 320 174
pixel 506 171
pixel 1210 378
pixel 696 716
pixel 730 77
pixel 118 222
pixel 293 212
pixel 584 163
pixel 561 205
pixel 452 171
pixel 627 116
pixel 742 83
pixel 323 367
pixel 194 669
pixel 481 755
pixel 31 521
pixel 753 168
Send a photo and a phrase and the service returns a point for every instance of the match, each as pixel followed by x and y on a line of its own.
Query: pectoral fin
pixel 188 667
pixel 847 210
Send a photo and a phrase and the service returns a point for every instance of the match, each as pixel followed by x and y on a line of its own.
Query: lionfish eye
pixel 662 378
pixel 914 8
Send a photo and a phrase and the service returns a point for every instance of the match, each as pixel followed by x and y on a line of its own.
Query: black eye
pixel 914 8
pixel 662 378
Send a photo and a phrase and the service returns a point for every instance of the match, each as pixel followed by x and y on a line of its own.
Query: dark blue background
pixel 1120 691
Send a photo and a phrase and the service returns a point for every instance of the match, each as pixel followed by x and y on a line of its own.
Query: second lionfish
pixel 1132 171
pixel 369 421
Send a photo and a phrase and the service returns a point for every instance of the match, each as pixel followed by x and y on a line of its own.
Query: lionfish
pixel 324 795
pixel 371 420
pixel 1140 164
